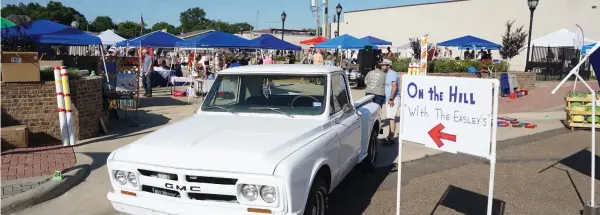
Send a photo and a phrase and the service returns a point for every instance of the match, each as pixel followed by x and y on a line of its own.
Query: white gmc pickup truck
pixel 269 139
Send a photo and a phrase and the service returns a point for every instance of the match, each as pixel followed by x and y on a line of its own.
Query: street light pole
pixel 283 16
pixel 532 5
pixel 338 9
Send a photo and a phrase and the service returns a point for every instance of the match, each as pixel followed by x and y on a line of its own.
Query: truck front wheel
pixel 370 162
pixel 318 199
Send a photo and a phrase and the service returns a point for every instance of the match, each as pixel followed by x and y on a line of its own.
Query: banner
pixel 423 69
pixel 595 61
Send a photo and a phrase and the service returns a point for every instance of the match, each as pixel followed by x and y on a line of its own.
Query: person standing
pixel 392 96
pixel 318 58
pixel 147 73
pixel 375 81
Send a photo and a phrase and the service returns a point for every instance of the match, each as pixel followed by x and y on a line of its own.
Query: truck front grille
pixel 161 191
pixel 156 174
pixel 210 180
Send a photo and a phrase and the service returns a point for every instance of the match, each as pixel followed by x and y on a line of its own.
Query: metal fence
pixel 554 63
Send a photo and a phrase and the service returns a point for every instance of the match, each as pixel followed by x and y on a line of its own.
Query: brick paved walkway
pixel 35 161
pixel 541 98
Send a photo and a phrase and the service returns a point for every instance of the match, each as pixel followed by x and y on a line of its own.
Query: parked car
pixel 268 139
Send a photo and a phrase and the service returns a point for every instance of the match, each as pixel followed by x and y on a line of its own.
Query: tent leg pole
pixel 104 62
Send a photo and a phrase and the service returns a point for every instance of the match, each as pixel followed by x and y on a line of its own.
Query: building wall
pixel 481 18
pixel 34 105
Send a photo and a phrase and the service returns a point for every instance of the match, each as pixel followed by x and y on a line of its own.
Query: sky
pixel 267 12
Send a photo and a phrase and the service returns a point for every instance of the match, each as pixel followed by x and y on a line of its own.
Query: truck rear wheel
pixel 318 199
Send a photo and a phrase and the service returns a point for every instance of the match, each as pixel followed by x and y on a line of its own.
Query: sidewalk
pixel 26 168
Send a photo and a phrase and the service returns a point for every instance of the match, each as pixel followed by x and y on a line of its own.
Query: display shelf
pixel 574 125
pixel 574 112
pixel 570 113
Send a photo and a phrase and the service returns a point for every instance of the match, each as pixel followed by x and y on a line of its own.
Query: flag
pixel 142 23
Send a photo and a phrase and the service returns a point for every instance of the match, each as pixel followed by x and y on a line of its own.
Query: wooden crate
pixel 569 114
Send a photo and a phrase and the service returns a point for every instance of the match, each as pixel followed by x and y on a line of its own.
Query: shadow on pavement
pixel 468 202
pixel 161 101
pixel 353 195
pixel 125 127
pixel 98 160
pixel 581 162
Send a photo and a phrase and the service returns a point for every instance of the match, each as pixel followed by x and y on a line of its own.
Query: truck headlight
pixel 132 178
pixel 268 194
pixel 121 177
pixel 249 192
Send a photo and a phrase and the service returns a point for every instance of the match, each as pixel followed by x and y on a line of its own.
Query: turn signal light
pixel 128 193
pixel 259 210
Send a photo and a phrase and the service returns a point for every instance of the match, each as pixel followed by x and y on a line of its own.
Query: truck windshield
pixel 273 94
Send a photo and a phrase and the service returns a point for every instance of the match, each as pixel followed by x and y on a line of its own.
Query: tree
pixel 128 29
pixel 192 18
pixel 415 45
pixel 103 23
pixel 513 42
pixel 242 26
pixel 54 11
pixel 163 25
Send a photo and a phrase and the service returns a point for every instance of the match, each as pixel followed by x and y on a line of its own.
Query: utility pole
pixel 314 4
pixel 326 20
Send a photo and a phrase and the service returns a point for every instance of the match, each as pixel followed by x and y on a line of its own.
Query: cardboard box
pixel 20 67
pixel 15 136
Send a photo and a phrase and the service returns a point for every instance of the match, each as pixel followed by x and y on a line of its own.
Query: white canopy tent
pixel 560 38
pixel 109 37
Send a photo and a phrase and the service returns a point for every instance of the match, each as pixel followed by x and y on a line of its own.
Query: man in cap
pixel 392 97
pixel 146 73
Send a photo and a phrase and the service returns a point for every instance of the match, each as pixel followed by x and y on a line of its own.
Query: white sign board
pixel 448 113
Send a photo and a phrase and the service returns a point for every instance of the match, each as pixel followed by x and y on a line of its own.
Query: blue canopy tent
pixel 376 41
pixel 216 39
pixel 267 41
pixel 156 39
pixel 344 42
pixel 52 33
pixel 470 42
pixel 585 48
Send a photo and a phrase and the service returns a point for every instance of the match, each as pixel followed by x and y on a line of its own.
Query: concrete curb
pixel 47 190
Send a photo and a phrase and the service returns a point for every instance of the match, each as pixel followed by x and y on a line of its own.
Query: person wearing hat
pixel 146 73
pixel 392 97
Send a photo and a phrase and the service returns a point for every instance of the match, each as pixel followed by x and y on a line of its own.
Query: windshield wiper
pixel 222 108
pixel 273 109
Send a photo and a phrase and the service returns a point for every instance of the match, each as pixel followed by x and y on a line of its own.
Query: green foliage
pixel 513 42
pixel 102 23
pixel 164 25
pixel 401 65
pixel 47 74
pixel 448 65
pixel 191 20
pixel 129 29
pixel 54 11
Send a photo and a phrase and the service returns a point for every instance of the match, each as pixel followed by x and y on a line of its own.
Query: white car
pixel 269 139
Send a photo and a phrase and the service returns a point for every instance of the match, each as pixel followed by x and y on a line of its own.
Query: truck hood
pixel 243 144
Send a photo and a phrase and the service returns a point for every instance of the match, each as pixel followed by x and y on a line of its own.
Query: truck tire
pixel 318 198
pixel 370 162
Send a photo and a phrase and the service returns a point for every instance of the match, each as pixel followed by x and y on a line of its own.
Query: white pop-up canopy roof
pixel 109 37
pixel 560 38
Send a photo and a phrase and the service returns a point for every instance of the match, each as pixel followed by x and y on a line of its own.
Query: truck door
pixel 346 123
